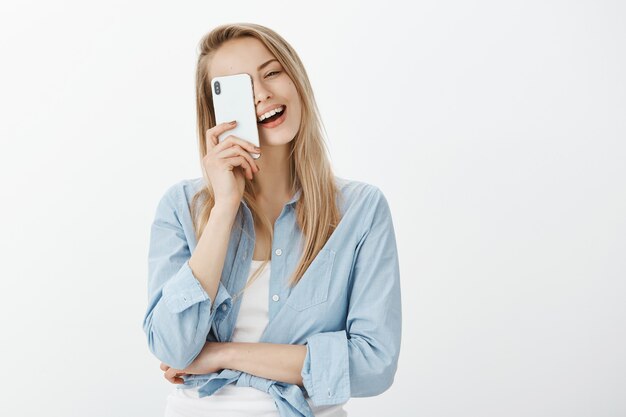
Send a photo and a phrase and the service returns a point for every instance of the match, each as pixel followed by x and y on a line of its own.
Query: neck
pixel 273 182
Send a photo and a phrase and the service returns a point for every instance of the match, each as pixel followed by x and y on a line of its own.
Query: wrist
pixel 223 208
pixel 226 355
pixel 225 212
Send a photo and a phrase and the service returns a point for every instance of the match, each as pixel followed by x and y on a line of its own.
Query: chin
pixel 278 138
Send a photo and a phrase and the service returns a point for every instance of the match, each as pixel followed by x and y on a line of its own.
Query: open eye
pixel 273 72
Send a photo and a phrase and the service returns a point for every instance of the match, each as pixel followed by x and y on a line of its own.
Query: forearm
pixel 207 260
pixel 278 362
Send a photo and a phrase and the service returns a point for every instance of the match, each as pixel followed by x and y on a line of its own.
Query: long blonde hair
pixel 317 213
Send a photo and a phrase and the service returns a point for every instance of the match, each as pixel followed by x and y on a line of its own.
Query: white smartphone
pixel 233 99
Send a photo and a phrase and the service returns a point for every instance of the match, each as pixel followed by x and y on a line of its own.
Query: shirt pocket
pixel 312 289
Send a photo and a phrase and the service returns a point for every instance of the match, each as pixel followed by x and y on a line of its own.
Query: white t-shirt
pixel 231 400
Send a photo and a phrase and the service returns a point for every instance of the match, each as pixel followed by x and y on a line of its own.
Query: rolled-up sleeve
pixel 362 360
pixel 180 312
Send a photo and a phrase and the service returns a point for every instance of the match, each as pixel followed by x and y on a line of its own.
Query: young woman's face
pixel 272 86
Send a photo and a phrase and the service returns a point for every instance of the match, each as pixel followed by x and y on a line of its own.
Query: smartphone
pixel 233 99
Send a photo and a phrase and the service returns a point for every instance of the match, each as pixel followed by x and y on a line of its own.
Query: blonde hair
pixel 310 171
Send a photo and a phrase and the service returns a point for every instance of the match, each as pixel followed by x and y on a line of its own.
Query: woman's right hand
pixel 226 163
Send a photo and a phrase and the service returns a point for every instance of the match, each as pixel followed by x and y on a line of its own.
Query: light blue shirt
pixel 346 308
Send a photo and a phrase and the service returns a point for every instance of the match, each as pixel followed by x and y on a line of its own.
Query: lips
pixel 270 108
pixel 276 122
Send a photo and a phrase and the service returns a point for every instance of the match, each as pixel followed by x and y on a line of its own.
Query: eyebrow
pixel 266 64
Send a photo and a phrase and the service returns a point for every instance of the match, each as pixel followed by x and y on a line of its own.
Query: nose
pixel 260 93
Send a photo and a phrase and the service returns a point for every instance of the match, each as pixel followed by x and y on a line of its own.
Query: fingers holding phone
pixel 227 162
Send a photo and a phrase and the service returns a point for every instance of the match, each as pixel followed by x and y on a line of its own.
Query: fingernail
pixel 256 148
pixel 233 122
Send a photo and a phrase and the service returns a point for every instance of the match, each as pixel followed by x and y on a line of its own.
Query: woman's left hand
pixel 209 360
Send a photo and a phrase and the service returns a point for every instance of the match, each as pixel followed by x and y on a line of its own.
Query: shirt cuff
pixel 184 290
pixel 325 372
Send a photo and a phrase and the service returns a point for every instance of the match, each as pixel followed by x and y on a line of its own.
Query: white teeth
pixel 270 113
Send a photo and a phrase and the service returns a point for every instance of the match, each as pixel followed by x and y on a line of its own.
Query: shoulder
pixel 363 206
pixel 358 194
pixel 182 191
pixel 177 196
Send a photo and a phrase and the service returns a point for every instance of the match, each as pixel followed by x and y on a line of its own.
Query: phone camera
pixel 216 86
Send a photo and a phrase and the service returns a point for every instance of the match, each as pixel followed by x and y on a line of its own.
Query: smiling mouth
pixel 273 118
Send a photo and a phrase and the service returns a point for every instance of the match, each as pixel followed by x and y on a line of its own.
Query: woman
pixel 314 254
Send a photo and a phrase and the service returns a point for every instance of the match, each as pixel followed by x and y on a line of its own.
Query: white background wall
pixel 495 129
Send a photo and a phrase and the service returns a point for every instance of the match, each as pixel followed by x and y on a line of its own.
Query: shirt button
pixel 278 252
pixel 275 297
pixel 224 307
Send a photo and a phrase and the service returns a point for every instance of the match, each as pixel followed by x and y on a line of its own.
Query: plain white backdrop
pixel 496 131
